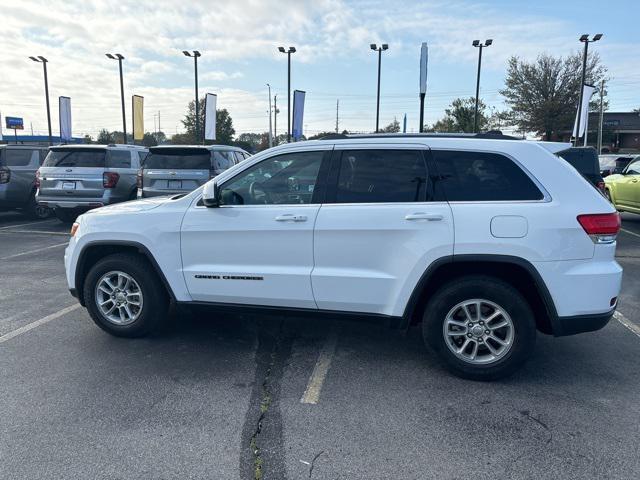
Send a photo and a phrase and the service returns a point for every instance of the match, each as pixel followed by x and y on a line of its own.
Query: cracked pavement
pixel 188 401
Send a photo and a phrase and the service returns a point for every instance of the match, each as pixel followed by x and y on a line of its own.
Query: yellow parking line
pixel 314 386
pixel 37 323
pixel 627 323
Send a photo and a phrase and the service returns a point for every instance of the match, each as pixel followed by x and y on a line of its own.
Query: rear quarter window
pixel 119 159
pixel 478 176
pixel 223 159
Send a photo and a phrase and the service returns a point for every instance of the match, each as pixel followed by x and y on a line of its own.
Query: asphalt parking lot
pixel 224 396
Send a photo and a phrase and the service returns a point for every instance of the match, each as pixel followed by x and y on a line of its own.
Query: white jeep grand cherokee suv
pixel 483 239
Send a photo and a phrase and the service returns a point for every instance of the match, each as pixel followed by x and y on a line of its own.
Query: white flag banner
pixel 424 58
pixel 587 92
pixel 65 118
pixel 298 114
pixel 210 101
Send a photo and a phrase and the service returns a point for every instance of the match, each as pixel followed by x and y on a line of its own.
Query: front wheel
pixel 481 327
pixel 124 296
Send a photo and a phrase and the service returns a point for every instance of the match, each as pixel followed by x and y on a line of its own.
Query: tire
pixel 443 335
pixel 36 211
pixel 154 305
pixel 65 215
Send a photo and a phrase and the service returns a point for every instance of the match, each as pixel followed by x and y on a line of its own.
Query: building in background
pixel 38 140
pixel 620 132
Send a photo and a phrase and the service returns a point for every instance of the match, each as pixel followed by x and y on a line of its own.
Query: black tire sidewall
pixel 155 305
pixel 497 291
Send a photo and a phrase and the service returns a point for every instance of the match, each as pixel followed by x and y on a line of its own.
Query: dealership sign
pixel 15 123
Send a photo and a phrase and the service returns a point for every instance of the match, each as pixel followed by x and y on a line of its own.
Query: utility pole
pixel 601 117
pixel 270 133
pixel 337 115
pixel 275 119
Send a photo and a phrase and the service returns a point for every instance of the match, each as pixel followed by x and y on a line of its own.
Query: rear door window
pixel 239 157
pixel 18 157
pixel 381 176
pixel 76 158
pixel 223 160
pixel 119 159
pixel 477 176
pixel 178 159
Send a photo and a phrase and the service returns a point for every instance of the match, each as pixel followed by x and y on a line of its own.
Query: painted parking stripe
pixel 34 251
pixel 43 232
pixel 39 222
pixel 38 323
pixel 627 323
pixel 630 232
pixel 314 386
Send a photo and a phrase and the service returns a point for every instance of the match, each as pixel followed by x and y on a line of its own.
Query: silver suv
pixel 77 178
pixel 18 166
pixel 170 170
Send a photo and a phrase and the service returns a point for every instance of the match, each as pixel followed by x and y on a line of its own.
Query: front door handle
pixel 430 217
pixel 288 217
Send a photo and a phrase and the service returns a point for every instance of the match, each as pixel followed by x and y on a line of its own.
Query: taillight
pixel 5 175
pixel 600 186
pixel 110 179
pixel 38 178
pixel 139 179
pixel 601 227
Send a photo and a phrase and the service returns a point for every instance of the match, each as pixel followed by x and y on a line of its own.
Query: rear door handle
pixel 430 217
pixel 288 217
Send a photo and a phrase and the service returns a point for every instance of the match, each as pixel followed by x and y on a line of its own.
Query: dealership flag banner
pixel 210 101
pixel 65 118
pixel 298 114
pixel 138 117
pixel 587 92
pixel 424 58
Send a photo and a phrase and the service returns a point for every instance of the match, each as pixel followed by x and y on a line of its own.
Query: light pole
pixel 584 39
pixel 480 46
pixel 380 49
pixel 195 56
pixel 41 59
pixel 288 52
pixel 270 134
pixel 119 57
pixel 275 119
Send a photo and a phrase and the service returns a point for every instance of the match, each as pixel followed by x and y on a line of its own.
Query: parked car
pixel 623 190
pixel 585 161
pixel 169 170
pixel 76 178
pixel 483 241
pixel 611 164
pixel 18 166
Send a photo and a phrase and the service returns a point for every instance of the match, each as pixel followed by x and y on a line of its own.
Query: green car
pixel 623 190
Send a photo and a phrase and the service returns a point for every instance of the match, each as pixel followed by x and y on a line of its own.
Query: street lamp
pixel 480 46
pixel 41 59
pixel 119 57
pixel 288 52
pixel 195 56
pixel 584 39
pixel 380 49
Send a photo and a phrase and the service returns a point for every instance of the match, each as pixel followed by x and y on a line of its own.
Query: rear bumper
pixel 581 323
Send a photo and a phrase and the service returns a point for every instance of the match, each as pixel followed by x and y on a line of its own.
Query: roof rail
pixel 491 134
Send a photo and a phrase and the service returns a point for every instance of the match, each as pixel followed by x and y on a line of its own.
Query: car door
pixel 22 163
pixel 256 248
pixel 378 230
pixel 628 186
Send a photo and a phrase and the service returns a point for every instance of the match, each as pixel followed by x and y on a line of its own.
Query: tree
pixel 105 137
pixel 459 117
pixel 88 138
pixel 149 140
pixel 224 124
pixel 543 95
pixel 393 127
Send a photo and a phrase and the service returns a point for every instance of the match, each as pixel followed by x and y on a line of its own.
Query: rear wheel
pixel 35 210
pixel 65 215
pixel 124 296
pixel 481 327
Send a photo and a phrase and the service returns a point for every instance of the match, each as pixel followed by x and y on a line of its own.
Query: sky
pixel 238 40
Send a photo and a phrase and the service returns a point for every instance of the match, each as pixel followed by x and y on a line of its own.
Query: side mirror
pixel 210 195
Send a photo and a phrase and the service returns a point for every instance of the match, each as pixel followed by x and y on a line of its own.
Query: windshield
pixel 75 158
pixel 178 159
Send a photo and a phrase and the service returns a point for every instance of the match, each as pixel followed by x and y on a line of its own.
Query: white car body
pixel 369 258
